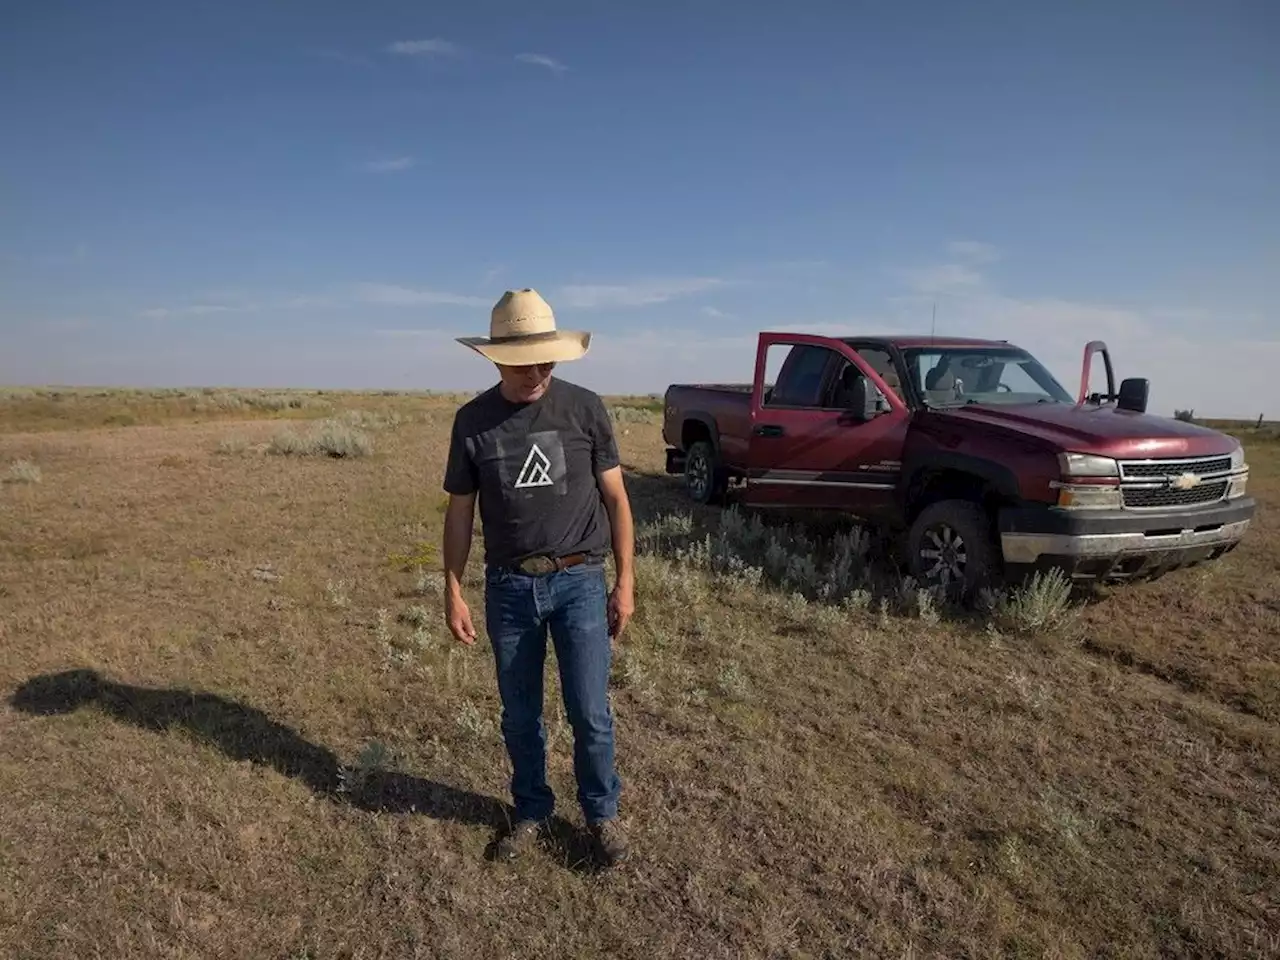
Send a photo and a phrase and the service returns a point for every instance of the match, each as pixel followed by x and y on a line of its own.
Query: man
pixel 540 456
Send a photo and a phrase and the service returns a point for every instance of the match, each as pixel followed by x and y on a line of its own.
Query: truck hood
pixel 1103 430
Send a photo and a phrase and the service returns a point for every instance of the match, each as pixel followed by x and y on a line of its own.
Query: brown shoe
pixel 523 835
pixel 611 842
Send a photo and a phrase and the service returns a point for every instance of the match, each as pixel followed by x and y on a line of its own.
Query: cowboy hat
pixel 522 330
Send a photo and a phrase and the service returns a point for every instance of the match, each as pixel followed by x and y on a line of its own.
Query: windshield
pixel 954 376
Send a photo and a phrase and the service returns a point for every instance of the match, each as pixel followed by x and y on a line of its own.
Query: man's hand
pixel 458 615
pixel 622 602
pixel 622 605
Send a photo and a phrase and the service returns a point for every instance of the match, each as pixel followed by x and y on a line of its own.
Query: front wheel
pixel 702 474
pixel 950 546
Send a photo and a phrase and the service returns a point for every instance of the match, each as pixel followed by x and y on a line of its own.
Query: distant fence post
pixel 1260 416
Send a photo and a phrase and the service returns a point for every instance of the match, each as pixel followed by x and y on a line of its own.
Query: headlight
pixel 1237 458
pixel 1087 465
pixel 1089 496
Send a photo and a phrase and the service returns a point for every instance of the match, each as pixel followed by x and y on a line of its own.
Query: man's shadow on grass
pixel 246 733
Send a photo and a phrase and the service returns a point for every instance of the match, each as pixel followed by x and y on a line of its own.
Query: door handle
pixel 769 430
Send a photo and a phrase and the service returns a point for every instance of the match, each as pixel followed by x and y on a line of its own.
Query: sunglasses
pixel 532 368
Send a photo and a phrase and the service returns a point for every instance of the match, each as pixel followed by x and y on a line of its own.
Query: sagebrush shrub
pixel 749 553
pixel 338 440
pixel 329 438
pixel 1042 603
pixel 23 471
pixel 625 414
pixel 732 682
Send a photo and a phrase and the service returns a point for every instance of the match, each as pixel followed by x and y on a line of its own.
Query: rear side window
pixel 800 381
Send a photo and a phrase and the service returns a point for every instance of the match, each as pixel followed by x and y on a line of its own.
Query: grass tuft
pixel 732 682
pixel 1042 604
pixel 23 471
pixel 337 593
pixel 417 616
pixel 329 438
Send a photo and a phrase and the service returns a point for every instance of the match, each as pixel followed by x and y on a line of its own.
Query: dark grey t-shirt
pixel 535 466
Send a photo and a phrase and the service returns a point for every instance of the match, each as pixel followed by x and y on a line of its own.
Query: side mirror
pixel 1133 394
pixel 864 400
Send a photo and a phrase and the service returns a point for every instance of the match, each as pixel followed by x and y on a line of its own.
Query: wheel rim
pixel 698 475
pixel 945 555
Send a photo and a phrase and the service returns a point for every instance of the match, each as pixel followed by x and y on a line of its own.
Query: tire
pixel 950 546
pixel 703 477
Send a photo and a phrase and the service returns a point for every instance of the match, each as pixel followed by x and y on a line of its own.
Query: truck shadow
pixel 245 733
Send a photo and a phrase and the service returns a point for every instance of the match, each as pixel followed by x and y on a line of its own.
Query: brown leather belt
pixel 542 565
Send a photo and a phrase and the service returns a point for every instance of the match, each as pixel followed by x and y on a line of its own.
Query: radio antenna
pixel 933 324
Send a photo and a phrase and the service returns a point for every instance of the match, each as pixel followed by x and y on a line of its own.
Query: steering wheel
pixel 1005 387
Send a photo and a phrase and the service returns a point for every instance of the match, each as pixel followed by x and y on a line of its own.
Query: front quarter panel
pixel 1018 467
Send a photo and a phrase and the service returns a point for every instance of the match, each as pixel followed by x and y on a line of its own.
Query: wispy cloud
pixel 416 333
pixel 67 324
pixel 542 60
pixel 390 165
pixel 715 313
pixel 941 278
pixel 193 310
pixel 308 302
pixel 434 47
pixel 638 294
pixel 388 294
pixel 379 294
pixel 973 251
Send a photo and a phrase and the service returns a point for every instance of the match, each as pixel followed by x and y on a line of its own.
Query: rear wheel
pixel 703 477
pixel 950 546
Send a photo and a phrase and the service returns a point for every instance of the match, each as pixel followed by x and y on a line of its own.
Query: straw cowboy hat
pixel 522 330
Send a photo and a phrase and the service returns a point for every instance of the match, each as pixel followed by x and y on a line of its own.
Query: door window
pixel 803 379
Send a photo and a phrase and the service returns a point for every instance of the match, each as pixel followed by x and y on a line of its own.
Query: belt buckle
pixel 538 565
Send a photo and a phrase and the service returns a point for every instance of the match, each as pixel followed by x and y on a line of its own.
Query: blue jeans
pixel 572 605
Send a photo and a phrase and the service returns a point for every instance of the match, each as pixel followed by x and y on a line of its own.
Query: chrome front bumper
pixel 1028 548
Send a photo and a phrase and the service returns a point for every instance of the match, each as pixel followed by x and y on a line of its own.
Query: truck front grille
pixel 1166 497
pixel 1160 484
pixel 1160 469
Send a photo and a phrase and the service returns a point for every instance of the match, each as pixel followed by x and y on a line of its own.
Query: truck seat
pixel 843 393
pixel 939 385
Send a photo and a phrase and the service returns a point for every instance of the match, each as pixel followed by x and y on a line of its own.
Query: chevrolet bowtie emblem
pixel 1184 481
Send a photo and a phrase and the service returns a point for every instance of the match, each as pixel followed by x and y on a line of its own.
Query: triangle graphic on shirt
pixel 536 471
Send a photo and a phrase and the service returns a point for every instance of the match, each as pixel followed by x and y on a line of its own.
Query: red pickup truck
pixel 970 453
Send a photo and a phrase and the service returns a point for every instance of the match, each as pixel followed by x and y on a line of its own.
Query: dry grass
pixel 234 726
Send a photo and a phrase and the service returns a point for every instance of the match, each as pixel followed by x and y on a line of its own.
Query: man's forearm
pixel 457 545
pixel 622 529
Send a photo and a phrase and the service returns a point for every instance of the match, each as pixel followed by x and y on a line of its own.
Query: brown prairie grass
pixel 234 725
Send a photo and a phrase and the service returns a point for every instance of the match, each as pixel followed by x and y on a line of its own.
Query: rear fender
pixel 699 422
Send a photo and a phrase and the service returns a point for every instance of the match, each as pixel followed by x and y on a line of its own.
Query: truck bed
pixel 724 408
pixel 723 387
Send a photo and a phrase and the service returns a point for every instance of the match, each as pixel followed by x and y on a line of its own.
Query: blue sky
pixel 325 194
